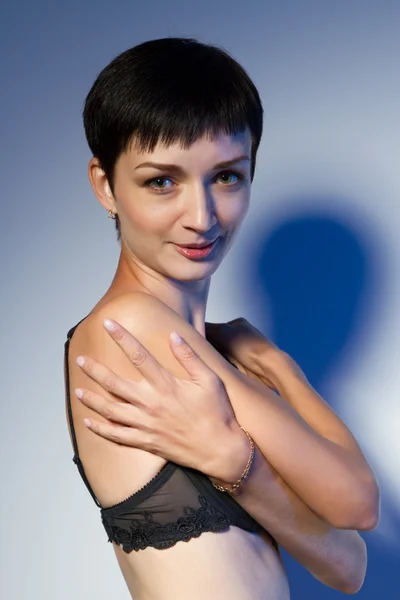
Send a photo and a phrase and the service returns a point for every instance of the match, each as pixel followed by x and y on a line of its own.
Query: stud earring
pixel 111 215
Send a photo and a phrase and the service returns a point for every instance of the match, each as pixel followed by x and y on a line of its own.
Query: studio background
pixel 316 266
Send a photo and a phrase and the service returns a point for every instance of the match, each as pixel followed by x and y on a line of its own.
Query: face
pixel 188 198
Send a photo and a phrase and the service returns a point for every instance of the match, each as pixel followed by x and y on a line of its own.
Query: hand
pixel 171 417
pixel 251 352
pixel 246 348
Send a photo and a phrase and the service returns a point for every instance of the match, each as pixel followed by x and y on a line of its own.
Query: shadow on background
pixel 317 275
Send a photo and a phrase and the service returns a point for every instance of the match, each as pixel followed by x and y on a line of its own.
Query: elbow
pixel 350 572
pixel 367 510
pixel 353 585
pixel 369 521
pixel 352 588
pixel 362 511
pixel 355 576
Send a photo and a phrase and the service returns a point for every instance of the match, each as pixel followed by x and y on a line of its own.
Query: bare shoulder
pixel 114 471
pixel 151 322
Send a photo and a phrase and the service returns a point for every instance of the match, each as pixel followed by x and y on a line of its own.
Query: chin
pixel 193 271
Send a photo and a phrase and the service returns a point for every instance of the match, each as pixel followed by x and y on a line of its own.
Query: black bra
pixel 177 504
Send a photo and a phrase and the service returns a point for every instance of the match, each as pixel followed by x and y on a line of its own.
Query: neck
pixel 187 298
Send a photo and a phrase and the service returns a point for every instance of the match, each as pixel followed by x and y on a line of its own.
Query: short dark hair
pixel 170 89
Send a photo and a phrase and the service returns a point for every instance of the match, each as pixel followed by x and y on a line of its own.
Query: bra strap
pixel 76 458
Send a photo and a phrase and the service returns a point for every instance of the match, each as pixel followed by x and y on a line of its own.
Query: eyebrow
pixel 178 169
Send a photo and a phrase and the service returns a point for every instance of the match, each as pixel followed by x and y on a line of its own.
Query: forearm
pixel 297 391
pixel 336 557
pixel 332 479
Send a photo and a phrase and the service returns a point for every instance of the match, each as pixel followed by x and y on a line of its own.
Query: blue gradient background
pixel 316 265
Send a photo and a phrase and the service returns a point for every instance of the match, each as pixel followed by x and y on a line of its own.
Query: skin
pixel 189 208
pixel 193 206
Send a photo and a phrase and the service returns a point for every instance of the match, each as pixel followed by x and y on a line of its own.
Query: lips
pixel 198 250
pixel 198 245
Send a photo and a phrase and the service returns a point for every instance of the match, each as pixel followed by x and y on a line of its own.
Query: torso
pixel 234 564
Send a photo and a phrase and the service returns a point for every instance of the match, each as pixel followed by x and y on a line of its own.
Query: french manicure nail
pixel 109 325
pixel 175 337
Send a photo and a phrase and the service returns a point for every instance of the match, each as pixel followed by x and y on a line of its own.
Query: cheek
pixel 233 210
pixel 148 218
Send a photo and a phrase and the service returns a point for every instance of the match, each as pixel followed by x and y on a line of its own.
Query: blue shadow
pixel 316 274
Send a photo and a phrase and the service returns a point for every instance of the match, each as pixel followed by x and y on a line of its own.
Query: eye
pixel 158 183
pixel 228 174
pixel 150 182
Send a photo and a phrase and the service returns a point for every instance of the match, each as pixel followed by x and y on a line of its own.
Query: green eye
pixel 157 180
pixel 228 174
pixel 158 183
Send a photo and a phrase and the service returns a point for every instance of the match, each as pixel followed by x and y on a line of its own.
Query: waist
pixel 234 564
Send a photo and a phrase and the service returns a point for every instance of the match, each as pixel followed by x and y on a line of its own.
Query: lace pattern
pixel 182 499
pixel 141 534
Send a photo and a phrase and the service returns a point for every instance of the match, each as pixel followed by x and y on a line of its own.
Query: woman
pixel 200 468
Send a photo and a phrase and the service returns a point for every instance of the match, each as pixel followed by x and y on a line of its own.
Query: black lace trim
pixel 149 533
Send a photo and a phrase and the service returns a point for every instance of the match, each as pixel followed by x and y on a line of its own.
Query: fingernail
pixel 87 422
pixel 80 361
pixel 109 325
pixel 79 392
pixel 175 337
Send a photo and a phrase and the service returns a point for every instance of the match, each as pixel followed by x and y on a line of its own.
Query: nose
pixel 199 209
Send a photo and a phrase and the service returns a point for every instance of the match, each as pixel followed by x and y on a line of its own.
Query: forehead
pixel 203 150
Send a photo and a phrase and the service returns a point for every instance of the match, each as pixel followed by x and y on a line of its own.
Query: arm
pixel 332 478
pixel 330 475
pixel 336 557
pixel 342 489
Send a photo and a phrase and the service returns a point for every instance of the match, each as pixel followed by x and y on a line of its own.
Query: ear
pixel 100 185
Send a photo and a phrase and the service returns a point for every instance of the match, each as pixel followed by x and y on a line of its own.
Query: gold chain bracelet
pixel 234 486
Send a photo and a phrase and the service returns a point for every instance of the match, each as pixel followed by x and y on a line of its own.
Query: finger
pixel 143 360
pixel 218 347
pixel 125 436
pixel 199 372
pixel 110 381
pixel 118 412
